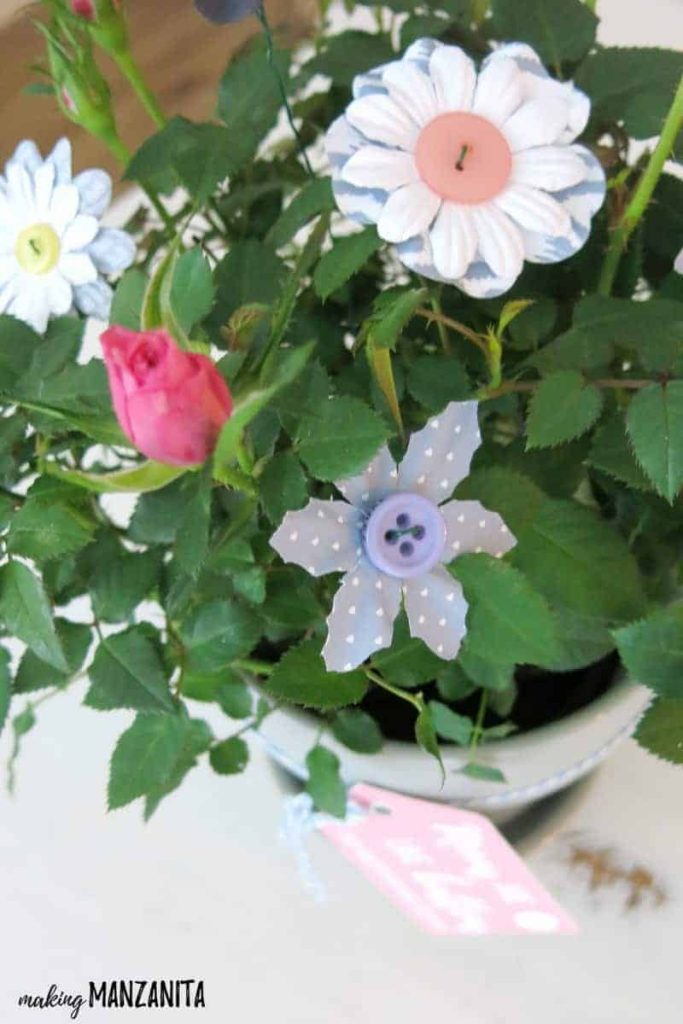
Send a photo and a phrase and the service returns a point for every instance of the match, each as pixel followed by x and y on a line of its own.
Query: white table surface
pixel 206 890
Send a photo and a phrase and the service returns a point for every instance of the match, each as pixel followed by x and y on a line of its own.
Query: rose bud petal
pixel 223 11
pixel 84 9
pixel 170 403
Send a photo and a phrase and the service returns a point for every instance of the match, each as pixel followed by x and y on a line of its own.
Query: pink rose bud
pixel 170 403
pixel 84 9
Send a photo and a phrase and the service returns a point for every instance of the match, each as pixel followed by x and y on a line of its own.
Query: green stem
pixel 643 192
pixel 129 67
pixel 479 723
pixel 257 668
pixel 123 155
pixel 270 50
pixel 414 699
pixel 435 302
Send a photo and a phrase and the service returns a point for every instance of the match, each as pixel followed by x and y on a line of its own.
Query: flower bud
pixel 170 403
pixel 81 90
pixel 106 22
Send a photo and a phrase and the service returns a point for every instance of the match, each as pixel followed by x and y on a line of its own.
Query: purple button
pixel 405 535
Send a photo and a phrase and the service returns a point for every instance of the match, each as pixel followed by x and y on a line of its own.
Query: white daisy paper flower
pixel 392 536
pixel 467 174
pixel 53 252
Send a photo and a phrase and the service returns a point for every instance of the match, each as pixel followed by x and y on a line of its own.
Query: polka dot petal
pixel 471 528
pixel 323 537
pixel 374 483
pixel 439 455
pixel 436 610
pixel 362 618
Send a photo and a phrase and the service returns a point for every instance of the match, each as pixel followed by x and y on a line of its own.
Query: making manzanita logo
pixel 174 994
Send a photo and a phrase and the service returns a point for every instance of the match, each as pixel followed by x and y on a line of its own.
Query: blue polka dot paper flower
pixel 468 174
pixel 392 536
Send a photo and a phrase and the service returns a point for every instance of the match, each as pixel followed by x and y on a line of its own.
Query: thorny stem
pixel 455 325
pixel 270 50
pixel 643 192
pixel 129 67
pixel 414 699
pixel 509 386
pixel 438 319
pixel 479 723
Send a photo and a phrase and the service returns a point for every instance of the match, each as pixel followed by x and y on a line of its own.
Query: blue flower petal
pixel 436 610
pixel 362 617
pixel 323 537
pixel 471 528
pixel 374 483
pixel 439 455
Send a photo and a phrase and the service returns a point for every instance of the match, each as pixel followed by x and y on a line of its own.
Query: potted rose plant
pixel 392 366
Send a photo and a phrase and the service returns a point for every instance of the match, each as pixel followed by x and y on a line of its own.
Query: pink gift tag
pixel 450 870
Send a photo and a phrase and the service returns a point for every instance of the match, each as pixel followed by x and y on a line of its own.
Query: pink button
pixel 463 157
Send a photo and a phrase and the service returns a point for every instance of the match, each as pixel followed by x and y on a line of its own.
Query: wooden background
pixel 182 55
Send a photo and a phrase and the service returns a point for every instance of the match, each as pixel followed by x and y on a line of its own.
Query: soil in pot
pixel 542 697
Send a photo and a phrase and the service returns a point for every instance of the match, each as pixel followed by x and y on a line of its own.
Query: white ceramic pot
pixel 535 764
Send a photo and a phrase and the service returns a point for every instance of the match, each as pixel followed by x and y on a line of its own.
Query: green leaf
pixel 225 688
pixel 192 290
pixel 611 453
pixel 313 199
pixel 392 312
pixel 249 99
pixel 340 439
pixel 127 673
pixel 216 633
pixel 48 526
pixel 208 157
pixel 449 725
pixel 229 757
pixel 5 687
pixel 661 730
pixel 151 754
pixel 579 562
pixel 558 30
pixel 34 674
pixel 652 650
pixel 633 85
pixel 158 513
pixel 149 476
pixel 283 486
pixel 344 259
pixel 426 738
pixel 126 306
pixel 192 539
pixel 453 684
pixel 483 772
pixel 513 495
pixel 251 273
pixel 325 785
pixel 655 425
pixel 408 662
pixel 349 54
pixel 121 580
pixel 491 675
pixel 300 677
pixel 508 621
pixel 25 611
pixel 291 600
pixel 17 345
pixel 563 407
pixel 357 730
pixel 436 380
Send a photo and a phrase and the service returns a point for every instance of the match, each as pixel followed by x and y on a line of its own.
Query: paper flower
pixel 53 251
pixel 468 175
pixel 391 537
pixel 170 403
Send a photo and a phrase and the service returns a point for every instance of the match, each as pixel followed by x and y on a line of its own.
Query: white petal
pixel 500 90
pixel 534 210
pixel 77 267
pixel 112 251
pixel 94 299
pixel 454 78
pixel 439 455
pixel 374 483
pixel 59 294
pixel 94 188
pixel 437 610
pixel 60 157
pixel 378 167
pixel 678 263
pixel 79 233
pixel 412 90
pixel 471 528
pixel 380 119
pixel 43 183
pixel 314 538
pixel 30 303
pixel 549 167
pixel 64 207
pixel 28 155
pixel 354 629
pixel 499 241
pixel 9 291
pixel 8 267
pixel 408 212
pixel 20 196
pixel 454 241
pixel 535 123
